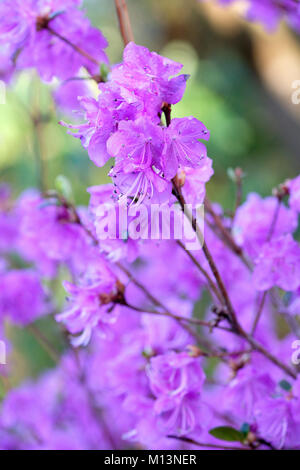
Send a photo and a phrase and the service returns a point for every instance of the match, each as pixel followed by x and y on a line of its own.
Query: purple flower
pixel 106 214
pixel 276 423
pixel 6 65
pixel 278 265
pixel 90 303
pixel 149 75
pixel 137 147
pixel 68 93
pixel 102 117
pixel 242 393
pixel 141 186
pixel 266 12
pixel 56 412
pixel 182 146
pixel 176 380
pixel 194 180
pixel 49 233
pixel 25 25
pixel 253 222
pixel 22 297
pixel 8 222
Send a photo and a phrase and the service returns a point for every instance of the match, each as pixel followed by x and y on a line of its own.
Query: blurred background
pixel 240 87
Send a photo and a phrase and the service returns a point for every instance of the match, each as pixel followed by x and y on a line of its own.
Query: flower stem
pixel 210 282
pixel 124 21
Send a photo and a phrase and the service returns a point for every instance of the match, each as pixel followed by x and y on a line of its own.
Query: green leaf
pixel 64 187
pixel 285 385
pixel 226 433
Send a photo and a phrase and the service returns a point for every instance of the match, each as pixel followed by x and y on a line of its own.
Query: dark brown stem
pixel 167 313
pixel 210 282
pixel 238 331
pixel 274 220
pixel 269 237
pixel 124 21
pixel 258 347
pixel 225 234
pixel 236 327
pixel 259 312
pixel 166 109
pixel 208 256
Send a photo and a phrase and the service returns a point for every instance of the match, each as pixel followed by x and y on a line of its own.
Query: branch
pixel 226 235
pixel 236 327
pixel 210 282
pixel 124 21
pixel 208 256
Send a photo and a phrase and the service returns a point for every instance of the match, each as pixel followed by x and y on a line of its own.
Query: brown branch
pixel 124 21
pixel 208 256
pixel 269 237
pixel 167 313
pixel 259 312
pixel 236 327
pixel 258 347
pixel 226 235
pixel 210 282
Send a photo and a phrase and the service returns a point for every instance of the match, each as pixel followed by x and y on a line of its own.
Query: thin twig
pixel 226 235
pixel 258 347
pixel 235 330
pixel 274 219
pixel 203 271
pixel 269 237
pixel 208 256
pixel 236 327
pixel 259 312
pixel 166 313
pixel 124 21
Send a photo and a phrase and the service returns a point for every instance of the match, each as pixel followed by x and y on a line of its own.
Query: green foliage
pixel 227 433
